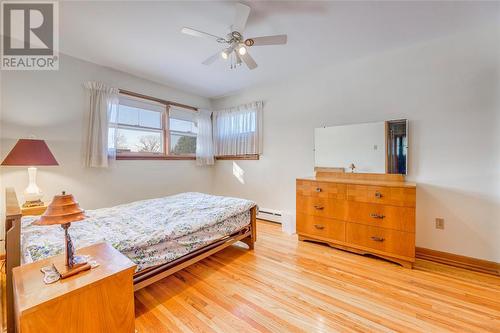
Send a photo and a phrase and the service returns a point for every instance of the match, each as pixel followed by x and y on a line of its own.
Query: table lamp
pixel 63 210
pixel 31 153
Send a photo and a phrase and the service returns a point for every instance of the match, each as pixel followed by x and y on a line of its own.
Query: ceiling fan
pixel 235 46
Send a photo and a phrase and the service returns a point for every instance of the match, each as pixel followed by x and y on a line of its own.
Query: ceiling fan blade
pixel 210 60
pixel 241 17
pixel 198 33
pixel 266 40
pixel 230 49
pixel 238 58
pixel 248 60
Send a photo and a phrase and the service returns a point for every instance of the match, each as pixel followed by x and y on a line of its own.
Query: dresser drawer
pixel 397 196
pixel 390 241
pixel 320 226
pixel 384 216
pixel 322 207
pixel 321 189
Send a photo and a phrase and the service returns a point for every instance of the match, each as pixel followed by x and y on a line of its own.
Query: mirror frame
pixel 386 138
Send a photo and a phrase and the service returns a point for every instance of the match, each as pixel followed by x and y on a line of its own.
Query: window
pixel 238 131
pixel 183 131
pixel 144 128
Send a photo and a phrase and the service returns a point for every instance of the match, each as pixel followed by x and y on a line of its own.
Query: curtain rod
pixel 159 100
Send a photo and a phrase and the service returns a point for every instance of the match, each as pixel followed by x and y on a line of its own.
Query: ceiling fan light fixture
pixel 237 47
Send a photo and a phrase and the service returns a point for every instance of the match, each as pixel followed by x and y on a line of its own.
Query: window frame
pixel 165 120
pixel 165 130
pixel 180 133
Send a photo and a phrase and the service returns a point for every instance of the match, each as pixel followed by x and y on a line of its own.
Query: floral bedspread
pixel 142 230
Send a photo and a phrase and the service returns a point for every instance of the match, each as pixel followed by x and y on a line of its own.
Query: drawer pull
pixel 378 239
pixel 319 226
pixel 378 195
pixel 377 216
pixel 318 189
pixel 319 207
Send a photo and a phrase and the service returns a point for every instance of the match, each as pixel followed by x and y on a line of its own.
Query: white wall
pixel 447 88
pixel 51 105
pixel 449 91
pixel 360 144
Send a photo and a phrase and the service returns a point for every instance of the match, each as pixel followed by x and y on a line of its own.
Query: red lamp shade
pixel 30 152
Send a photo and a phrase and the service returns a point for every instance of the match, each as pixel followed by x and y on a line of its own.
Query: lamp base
pixel 73 264
pixel 79 265
pixel 66 271
pixel 35 203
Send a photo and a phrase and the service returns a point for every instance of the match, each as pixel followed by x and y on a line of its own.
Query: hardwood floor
pixel 290 286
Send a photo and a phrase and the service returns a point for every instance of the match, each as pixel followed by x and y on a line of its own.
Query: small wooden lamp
pixel 63 210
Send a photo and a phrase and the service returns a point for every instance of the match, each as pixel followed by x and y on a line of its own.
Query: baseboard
pixel 456 260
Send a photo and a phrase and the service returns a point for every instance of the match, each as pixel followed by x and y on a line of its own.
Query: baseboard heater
pixel 270 215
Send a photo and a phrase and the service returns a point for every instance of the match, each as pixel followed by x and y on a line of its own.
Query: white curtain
pixel 102 106
pixel 204 142
pixel 238 130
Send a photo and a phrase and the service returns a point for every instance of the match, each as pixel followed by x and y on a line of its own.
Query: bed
pixel 160 235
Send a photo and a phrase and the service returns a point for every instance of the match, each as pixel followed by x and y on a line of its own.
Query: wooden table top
pixel 361 181
pixel 31 291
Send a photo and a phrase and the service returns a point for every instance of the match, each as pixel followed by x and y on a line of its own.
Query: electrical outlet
pixel 439 223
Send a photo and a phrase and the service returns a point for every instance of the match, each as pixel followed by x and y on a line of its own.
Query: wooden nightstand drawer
pixel 384 216
pixel 99 300
pixel 385 240
pixel 322 227
pixel 321 189
pixel 397 196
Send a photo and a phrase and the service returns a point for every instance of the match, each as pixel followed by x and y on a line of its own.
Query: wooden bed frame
pixel 248 235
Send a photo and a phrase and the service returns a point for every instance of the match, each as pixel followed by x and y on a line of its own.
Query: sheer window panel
pixel 238 130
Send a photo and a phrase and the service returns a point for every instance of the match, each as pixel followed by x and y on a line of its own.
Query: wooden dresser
pixel 363 213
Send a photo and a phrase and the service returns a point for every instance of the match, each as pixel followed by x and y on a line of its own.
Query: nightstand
pixel 98 300
pixel 37 210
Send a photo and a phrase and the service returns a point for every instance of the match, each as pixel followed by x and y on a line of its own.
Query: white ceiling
pixel 143 38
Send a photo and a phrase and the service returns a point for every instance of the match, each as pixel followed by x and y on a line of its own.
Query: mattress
pixel 149 232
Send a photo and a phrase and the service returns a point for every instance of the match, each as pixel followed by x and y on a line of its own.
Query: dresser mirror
pixel 378 147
